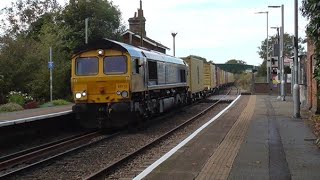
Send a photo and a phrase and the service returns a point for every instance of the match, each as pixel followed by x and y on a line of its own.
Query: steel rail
pixel 104 171
pixel 41 152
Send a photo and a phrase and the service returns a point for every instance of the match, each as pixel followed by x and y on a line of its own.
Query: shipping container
pixel 195 75
pixel 209 76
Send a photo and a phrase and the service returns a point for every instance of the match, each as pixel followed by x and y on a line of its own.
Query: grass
pixel 58 102
pixel 10 107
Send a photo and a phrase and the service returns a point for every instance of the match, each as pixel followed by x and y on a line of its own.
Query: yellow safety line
pixel 220 163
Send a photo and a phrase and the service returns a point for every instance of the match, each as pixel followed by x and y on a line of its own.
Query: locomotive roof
pixel 132 50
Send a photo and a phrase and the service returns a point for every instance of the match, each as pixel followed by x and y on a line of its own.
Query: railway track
pixel 106 170
pixel 32 158
pixel 27 159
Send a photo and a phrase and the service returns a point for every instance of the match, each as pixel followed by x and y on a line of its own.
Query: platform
pixel 28 115
pixel 257 138
pixel 222 97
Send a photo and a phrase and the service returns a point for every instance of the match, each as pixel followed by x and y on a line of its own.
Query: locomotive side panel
pixel 138 74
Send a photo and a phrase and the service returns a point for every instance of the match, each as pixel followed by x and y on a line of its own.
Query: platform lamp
pixel 174 42
pixel 267 48
pixel 282 87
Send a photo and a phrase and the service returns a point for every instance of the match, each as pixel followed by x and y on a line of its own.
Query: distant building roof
pixel 146 39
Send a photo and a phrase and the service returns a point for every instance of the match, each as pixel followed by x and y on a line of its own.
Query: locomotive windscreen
pixel 87 66
pixel 115 65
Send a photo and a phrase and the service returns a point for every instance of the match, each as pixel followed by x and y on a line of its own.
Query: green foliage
pixel 19 98
pixel 288 46
pixel 234 61
pixel 60 102
pixel 237 68
pixel 23 13
pixel 9 107
pixel 244 81
pixel 31 27
pixel 104 20
pixel 311 10
pixel 262 70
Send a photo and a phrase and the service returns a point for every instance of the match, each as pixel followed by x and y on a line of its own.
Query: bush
pixel 9 107
pixel 31 105
pixel 58 102
pixel 19 98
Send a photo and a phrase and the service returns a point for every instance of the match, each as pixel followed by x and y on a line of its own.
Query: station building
pixel 312 88
pixel 137 26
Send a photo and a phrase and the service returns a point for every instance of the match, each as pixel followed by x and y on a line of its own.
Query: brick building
pixel 137 25
pixel 312 88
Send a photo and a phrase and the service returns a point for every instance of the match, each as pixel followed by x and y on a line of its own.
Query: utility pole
pixel 283 86
pixel 50 67
pixel 86 29
pixel 141 28
pixel 174 43
pixel 278 54
pixel 296 88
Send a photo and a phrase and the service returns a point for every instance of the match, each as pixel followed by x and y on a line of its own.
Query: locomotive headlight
pixel 84 93
pixel 124 94
pixel 78 95
pixel 100 52
pixel 118 93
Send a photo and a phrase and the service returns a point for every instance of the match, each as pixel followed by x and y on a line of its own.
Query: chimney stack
pixel 134 22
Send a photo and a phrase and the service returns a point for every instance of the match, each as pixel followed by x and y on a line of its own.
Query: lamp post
pixel 86 30
pixel 267 48
pixel 174 43
pixel 296 88
pixel 281 52
pixel 278 53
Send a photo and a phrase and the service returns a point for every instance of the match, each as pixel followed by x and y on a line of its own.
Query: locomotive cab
pixel 101 76
pixel 115 83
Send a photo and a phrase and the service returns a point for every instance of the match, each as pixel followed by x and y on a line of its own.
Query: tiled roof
pixel 146 39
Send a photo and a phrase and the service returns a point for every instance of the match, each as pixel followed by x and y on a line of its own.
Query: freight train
pixel 114 83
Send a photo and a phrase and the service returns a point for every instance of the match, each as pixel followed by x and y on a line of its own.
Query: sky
pixel 217 30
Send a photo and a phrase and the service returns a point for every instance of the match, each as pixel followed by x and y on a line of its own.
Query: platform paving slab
pixel 256 158
pixel 187 162
pixel 27 115
pixel 275 146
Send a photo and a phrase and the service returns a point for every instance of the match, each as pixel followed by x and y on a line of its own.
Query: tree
pixel 262 70
pixel 311 10
pixel 235 66
pixel 288 46
pixel 33 26
pixel 21 14
pixel 234 61
pixel 288 50
pixel 104 20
